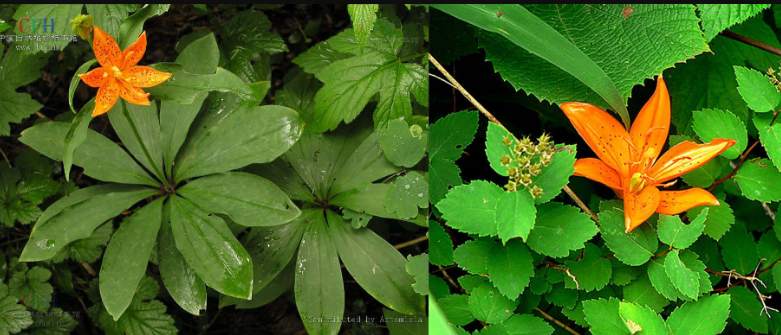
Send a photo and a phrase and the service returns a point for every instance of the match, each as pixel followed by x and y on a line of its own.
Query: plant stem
pixel 411 242
pixel 742 159
pixel 751 42
pixel 557 322
pixel 493 119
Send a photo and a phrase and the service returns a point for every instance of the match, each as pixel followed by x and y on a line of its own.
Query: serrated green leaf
pixel 714 308
pixel 661 281
pixel 440 245
pixel 674 233
pixel 633 248
pixel 642 318
pixel 730 127
pixel 739 250
pixel 746 309
pixel 487 304
pixel 14 107
pixel 719 220
pixel 443 176
pixel 566 225
pixel 456 308
pixel 450 135
pixel 593 272
pixel 555 176
pixel 520 324
pixel 471 208
pixel 510 268
pixel 683 278
pixel 641 292
pixel 13 316
pixel 417 266
pixel 563 297
pixel 407 194
pixel 363 17
pixel 604 318
pixel 515 215
pixel 319 56
pixel 54 322
pixel 708 81
pixel 757 90
pixel 32 288
pixel 472 256
pixel 718 17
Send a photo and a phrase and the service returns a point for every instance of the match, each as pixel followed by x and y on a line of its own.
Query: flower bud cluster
pixel 526 160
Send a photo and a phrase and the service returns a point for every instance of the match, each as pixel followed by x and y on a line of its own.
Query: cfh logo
pixel 36 24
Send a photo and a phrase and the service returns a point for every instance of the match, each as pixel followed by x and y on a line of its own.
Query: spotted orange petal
pixel 603 134
pixel 598 171
pixel 675 202
pixel 106 49
pixel 144 76
pixel 134 52
pixel 95 78
pixel 133 95
pixel 650 128
pixel 685 157
pixel 638 207
pixel 107 97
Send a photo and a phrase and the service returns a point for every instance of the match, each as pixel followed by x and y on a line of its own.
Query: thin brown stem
pixel 493 119
pixel 751 42
pixel 411 242
pixel 743 158
pixel 6 158
pixel 557 322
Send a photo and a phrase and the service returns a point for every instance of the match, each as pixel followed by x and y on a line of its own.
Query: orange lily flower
pixel 118 75
pixel 629 162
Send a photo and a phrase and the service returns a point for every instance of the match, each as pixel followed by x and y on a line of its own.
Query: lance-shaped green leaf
pixel 245 136
pixel 365 164
pixel 211 250
pixel 75 217
pixel 139 129
pixel 378 267
pixel 319 288
pixel 282 174
pixel 124 263
pixel 101 158
pixel 271 249
pixel 371 200
pixel 76 80
pixel 282 283
pixel 76 135
pixel 248 199
pixel 184 86
pixel 179 278
pixel 528 31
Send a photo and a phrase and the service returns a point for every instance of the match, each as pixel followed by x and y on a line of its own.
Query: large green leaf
pixel 75 217
pixel 404 145
pixel 683 278
pixel 604 318
pixel 319 288
pixel 490 306
pixel 210 248
pixel 758 179
pixel 472 208
pixel 246 198
pixel 14 107
pixel 100 157
pixel 179 278
pixel 633 248
pixel 746 309
pixel 642 318
pixel 450 135
pixel 739 250
pixel 351 83
pixel 376 266
pixel 709 81
pixel 730 127
pixel 18 68
pixel 719 17
pixel 139 129
pixel 757 90
pixel 440 245
pixel 592 272
pixel 237 138
pixel 515 215
pixel 566 225
pixel 109 16
pixel 673 232
pixel 714 308
pixel 184 86
pixel 559 43
pixel 132 27
pixel 510 268
pixel 124 263
pixel 13 316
